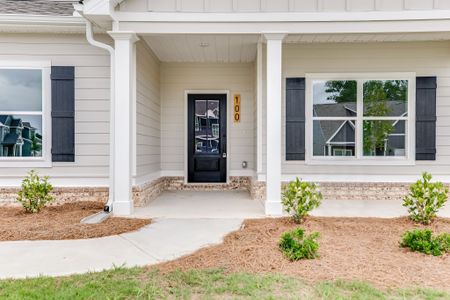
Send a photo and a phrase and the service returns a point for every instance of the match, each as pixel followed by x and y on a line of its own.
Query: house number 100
pixel 237 108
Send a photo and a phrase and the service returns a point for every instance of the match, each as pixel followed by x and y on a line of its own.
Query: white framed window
pixel 25 114
pixel 360 118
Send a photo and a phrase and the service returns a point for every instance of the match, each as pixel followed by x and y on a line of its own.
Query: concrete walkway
pixel 163 240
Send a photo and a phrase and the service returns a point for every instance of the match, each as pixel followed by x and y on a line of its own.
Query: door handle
pixel 224 155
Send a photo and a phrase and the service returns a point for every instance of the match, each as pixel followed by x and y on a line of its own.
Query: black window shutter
pixel 63 113
pixel 426 118
pixel 295 119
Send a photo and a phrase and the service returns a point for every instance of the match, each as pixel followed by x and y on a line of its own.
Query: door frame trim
pixel 185 126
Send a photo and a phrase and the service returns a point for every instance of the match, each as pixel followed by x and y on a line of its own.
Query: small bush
pixel 425 199
pixel 422 240
pixel 295 245
pixel 35 192
pixel 299 198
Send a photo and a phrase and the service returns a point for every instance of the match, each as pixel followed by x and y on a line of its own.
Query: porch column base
pixel 123 208
pixel 273 208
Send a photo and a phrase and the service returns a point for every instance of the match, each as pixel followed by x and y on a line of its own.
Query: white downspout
pixel 90 38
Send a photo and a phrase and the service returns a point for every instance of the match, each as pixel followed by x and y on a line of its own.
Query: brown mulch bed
pixel 61 222
pixel 363 249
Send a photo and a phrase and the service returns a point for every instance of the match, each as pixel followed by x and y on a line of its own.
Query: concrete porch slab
pixel 202 204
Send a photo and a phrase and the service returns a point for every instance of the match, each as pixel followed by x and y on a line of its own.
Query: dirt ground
pixel 363 249
pixel 61 222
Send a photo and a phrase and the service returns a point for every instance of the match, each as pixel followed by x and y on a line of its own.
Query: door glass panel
pixel 207 126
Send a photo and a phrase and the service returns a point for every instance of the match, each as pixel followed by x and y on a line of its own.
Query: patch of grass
pixel 356 290
pixel 141 283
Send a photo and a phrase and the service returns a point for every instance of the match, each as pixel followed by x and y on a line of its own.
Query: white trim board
pixel 298 27
pixel 285 17
pixel 259 107
pixel 60 181
pixel 139 180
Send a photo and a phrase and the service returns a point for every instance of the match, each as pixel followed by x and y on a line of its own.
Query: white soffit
pixel 204 48
pixel 367 38
pixel 242 48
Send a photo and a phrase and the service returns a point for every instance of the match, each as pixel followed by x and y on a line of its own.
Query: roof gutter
pixel 39 23
pixel 91 40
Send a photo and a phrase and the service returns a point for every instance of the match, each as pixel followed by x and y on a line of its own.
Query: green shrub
pixel 299 198
pixel 295 245
pixel 423 240
pixel 425 199
pixel 35 192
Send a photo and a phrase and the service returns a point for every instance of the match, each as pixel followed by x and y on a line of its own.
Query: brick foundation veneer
pixel 8 195
pixel 145 193
pixel 142 194
pixel 348 190
pixel 364 190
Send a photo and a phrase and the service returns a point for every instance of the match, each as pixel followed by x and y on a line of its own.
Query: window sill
pixel 362 162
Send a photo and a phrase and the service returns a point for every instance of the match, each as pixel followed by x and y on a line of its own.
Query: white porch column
pixel 273 158
pixel 122 152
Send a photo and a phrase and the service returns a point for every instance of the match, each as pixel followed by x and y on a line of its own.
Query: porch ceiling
pixel 242 48
pixel 204 48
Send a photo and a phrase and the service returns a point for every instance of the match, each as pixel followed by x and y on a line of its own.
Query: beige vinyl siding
pixel 148 112
pixel 424 58
pixel 176 78
pixel 91 98
pixel 223 6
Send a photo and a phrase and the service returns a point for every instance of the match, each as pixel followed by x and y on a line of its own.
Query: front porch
pixel 157 73
pixel 184 134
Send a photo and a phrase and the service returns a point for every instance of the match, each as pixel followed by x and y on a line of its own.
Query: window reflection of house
pixel 337 137
pixel 207 126
pixel 18 138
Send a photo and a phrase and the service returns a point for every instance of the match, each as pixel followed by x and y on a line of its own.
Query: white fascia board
pixel 286 27
pixel 98 7
pixel 291 23
pixel 38 23
pixel 283 17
